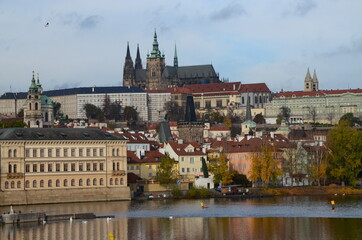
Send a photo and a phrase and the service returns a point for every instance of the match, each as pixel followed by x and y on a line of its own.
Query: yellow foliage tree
pixel 220 168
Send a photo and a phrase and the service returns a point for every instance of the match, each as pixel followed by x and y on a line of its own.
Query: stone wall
pixel 64 196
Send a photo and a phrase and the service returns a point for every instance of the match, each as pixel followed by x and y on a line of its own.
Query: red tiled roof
pixel 132 178
pixel 149 157
pixel 179 149
pixel 214 87
pixel 134 137
pixel 316 93
pixel 254 87
pixel 172 90
pixel 173 124
pixel 219 128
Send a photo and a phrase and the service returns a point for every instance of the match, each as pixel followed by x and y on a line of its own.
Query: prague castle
pixel 157 75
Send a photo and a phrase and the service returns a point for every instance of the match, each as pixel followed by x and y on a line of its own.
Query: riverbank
pixel 311 191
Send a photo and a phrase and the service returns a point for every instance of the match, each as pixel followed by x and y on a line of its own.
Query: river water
pixel 266 218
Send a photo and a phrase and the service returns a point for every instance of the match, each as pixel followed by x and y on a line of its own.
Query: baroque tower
pixel 155 67
pixel 128 70
pixel 32 111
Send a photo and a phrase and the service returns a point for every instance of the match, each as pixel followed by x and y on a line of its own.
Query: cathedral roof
pixel 140 75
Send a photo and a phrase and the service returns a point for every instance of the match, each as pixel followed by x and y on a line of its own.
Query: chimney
pixel 180 141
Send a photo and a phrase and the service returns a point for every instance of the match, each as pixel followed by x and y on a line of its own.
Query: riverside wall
pixel 63 196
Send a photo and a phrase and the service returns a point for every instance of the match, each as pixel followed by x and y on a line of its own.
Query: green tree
pixel 350 118
pixel 93 112
pixel 220 168
pixel 318 165
pixel 204 168
pixel 344 152
pixel 240 179
pixel 106 107
pixel 285 113
pixel 12 124
pixel 166 174
pixel 259 118
pixel 56 110
pixel 115 111
pixel 130 113
pixel 264 166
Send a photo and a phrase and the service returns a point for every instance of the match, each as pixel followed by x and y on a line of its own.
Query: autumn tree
pixel 227 122
pixel 259 118
pixel 294 161
pixel 344 152
pixel 318 164
pixel 264 166
pixel 220 168
pixel 350 118
pixel 166 174
pixel 130 113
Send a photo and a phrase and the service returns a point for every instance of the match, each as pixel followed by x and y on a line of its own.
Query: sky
pixel 271 41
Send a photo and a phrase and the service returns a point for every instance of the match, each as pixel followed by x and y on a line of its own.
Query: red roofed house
pixel 144 164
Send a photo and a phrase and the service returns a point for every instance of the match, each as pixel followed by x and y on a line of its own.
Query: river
pixel 266 218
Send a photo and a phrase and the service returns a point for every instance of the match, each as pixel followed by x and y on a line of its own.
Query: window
pixel 34 152
pixel 94 166
pixel 80 182
pixel 27 168
pixel 42 167
pixel 183 169
pixel 35 168
pixel 65 152
pixel 50 184
pixel 117 152
pixel 72 182
pixel 114 166
pixel 10 168
pixel 150 174
pixel 50 167
pixel 182 159
pixel 197 105
pixel 111 181
pixel 6 185
pixel 57 152
pixel 101 181
pixel 88 152
pixel 41 183
pixel 15 153
pixel 57 183
pixel 242 100
pixel 50 152
pixel 207 104
pixel 34 183
pixel 116 181
pixel 72 152
pixel 113 152
pixel 256 99
pixel 101 167
pixel 88 182
pixel 94 181
pixel 65 182
pixel 192 160
pixel 41 152
pixel 27 184
pixel 65 167
pixel 101 152
pixel 149 166
pixel 18 184
pixel 94 152
pixel 188 169
pixel 121 181
pixel 88 166
pixel 118 166
pixel 73 167
pixel 57 167
pixel 80 166
pixel 219 103
pixel 81 152
pixel 12 184
pixel 27 153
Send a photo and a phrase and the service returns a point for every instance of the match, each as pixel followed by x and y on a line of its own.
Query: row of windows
pixel 64 183
pixel 188 170
pixel 64 167
pixel 65 152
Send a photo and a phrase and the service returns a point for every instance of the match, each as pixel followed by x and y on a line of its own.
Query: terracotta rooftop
pixel 134 137
pixel 316 93
pixel 179 149
pixel 149 157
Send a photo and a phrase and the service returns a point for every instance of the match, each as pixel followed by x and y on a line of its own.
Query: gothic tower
pixel 32 110
pixel 138 62
pixel 155 67
pixel 315 82
pixel 308 83
pixel 128 70
pixel 175 59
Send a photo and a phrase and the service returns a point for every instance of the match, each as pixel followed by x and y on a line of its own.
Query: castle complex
pixel 159 76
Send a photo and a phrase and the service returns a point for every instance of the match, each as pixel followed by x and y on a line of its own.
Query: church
pixel 157 75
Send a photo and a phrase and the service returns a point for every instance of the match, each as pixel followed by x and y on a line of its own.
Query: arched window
pixel 34 183
pixel 116 181
pixel 101 181
pixel 112 152
pixel 111 181
pixel 94 181
pixel 10 168
pixel 37 123
pixel 15 153
pixel 6 185
pixel 12 184
pixel 114 166
pixel 15 168
pixel 29 106
pixel 18 184
pixel 117 152
pixel 50 184
pixel 57 183
pixel 41 183
pixel 27 184
pixel 36 106
pixel 72 182
pixel 88 182
pixel 80 182
pixel 65 183
pixel 118 166
pixel 121 181
pixel 9 153
pixel 46 119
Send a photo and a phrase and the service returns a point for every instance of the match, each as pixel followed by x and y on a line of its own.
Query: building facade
pixel 59 159
pixel 157 75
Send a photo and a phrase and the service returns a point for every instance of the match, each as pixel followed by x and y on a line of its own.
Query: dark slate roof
pixel 72 91
pixel 165 132
pixel 140 75
pixel 190 71
pixel 56 134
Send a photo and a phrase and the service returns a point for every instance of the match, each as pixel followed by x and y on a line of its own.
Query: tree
pixel 166 173
pixel 12 124
pixel 318 164
pixel 285 113
pixel 264 166
pixel 350 118
pixel 56 110
pixel 227 122
pixel 294 161
pixel 313 113
pixel 204 168
pixel 130 114
pixel 174 112
pixel 115 111
pixel 259 118
pixel 220 168
pixel 93 112
pixel 344 152
pixel 240 179
pixel 106 107
pixel 330 117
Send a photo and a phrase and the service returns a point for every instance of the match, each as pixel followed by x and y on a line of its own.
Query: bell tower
pixel 308 84
pixel 32 110
pixel 128 70
pixel 155 67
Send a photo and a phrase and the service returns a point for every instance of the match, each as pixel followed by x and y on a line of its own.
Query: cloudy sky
pixel 271 41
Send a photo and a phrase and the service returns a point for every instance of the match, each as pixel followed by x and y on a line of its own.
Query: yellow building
pixel 58 159
pixel 144 163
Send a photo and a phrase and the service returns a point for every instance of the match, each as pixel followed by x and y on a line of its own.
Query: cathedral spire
pixel 308 77
pixel 156 53
pixel 175 59
pixel 128 56
pixel 138 59
pixel 248 109
pixel 315 79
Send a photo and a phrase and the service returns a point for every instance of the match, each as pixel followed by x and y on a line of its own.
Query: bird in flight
pixel 46 25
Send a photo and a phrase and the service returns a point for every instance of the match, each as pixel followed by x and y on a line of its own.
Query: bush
pixel 176 192
pixel 198 193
